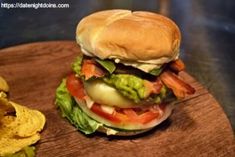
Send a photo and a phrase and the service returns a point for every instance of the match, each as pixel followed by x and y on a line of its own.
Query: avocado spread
pixel 129 85
pixel 76 66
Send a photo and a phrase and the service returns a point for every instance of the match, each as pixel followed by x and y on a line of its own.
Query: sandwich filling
pixel 143 65
pixel 118 96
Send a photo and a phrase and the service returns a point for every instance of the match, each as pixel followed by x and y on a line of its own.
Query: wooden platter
pixel 198 126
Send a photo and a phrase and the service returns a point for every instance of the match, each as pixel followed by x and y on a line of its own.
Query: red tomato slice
pixel 147 117
pixel 130 112
pixel 75 86
pixel 128 115
pixel 98 110
pixel 121 116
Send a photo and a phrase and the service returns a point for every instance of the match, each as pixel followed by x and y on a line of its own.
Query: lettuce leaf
pixel 129 85
pixel 63 99
pixel 76 65
pixel 156 71
pixel 108 65
pixel 72 112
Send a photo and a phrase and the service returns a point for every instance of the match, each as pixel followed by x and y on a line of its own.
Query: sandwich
pixel 125 81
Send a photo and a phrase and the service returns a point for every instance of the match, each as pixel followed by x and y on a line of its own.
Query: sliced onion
pixel 107 109
pixel 89 101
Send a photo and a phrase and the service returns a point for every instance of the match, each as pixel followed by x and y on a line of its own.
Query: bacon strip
pixel 179 87
pixel 90 69
pixel 177 65
pixel 153 87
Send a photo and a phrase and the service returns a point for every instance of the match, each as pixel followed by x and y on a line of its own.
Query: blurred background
pixel 208 34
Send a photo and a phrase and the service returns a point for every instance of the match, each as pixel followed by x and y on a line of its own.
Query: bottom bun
pixel 103 129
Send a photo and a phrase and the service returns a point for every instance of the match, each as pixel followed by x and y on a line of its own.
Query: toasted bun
pixel 138 36
pixel 104 129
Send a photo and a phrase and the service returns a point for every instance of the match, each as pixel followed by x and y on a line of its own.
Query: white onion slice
pixel 89 102
pixel 107 109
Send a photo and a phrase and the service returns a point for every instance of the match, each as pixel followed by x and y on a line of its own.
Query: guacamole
pixel 129 85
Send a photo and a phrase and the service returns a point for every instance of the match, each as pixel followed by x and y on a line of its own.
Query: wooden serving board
pixel 197 127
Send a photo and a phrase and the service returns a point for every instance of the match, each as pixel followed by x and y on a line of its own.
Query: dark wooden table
pixel 198 126
pixel 208 29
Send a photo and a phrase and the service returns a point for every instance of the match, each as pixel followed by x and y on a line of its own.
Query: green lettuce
pixel 28 151
pixel 130 86
pixel 72 112
pixel 64 100
pixel 163 94
pixel 155 71
pixel 108 65
pixel 76 65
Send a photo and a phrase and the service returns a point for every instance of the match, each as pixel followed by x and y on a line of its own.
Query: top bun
pixel 137 36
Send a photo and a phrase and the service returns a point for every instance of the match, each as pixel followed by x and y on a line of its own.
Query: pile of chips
pixel 19 125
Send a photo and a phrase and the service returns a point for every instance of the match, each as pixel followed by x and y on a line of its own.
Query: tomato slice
pixel 147 117
pixel 75 86
pixel 126 116
pixel 122 117
pixel 98 110
pixel 130 112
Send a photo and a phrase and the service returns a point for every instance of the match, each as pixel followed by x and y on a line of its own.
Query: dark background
pixel 208 32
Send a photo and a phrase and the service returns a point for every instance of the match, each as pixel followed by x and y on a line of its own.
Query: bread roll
pixel 138 37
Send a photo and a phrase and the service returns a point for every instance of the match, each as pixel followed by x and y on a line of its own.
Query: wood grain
pixel 198 126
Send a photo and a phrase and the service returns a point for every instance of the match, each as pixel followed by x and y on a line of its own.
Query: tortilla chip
pixel 19 126
pixel 3 85
pixel 3 95
pixel 10 144
pixel 5 107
